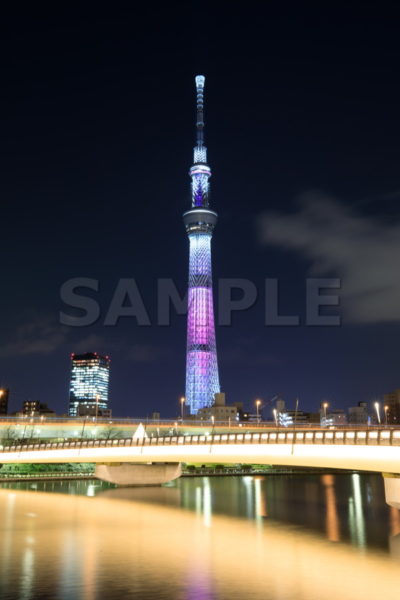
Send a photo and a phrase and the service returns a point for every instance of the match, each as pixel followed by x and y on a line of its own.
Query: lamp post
pixel 378 414
pixel 26 425
pixel 296 411
pixel 386 408
pixel 97 406
pixel 325 406
pixel 258 404
pixel 84 425
pixel 294 424
pixel 182 406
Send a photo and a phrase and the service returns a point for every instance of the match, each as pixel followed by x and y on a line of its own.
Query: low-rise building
pixel 219 411
pixel 90 410
pixel 289 418
pixel 392 402
pixel 334 418
pixel 358 415
pixel 34 408
pixel 4 394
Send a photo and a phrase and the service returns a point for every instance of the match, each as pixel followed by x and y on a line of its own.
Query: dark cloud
pixel 91 343
pixel 363 251
pixel 144 353
pixel 42 335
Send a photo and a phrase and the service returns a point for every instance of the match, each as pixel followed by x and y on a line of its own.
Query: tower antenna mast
pixel 200 81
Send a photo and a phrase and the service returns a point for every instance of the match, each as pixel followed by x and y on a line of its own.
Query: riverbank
pixel 188 472
pixel 45 477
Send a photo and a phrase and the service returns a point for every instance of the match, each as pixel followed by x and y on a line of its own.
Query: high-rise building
pixel 88 392
pixel 4 393
pixel 202 379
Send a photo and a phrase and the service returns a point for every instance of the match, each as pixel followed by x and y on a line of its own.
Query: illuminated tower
pixel 202 380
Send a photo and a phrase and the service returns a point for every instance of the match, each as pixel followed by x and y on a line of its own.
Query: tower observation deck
pixel 202 379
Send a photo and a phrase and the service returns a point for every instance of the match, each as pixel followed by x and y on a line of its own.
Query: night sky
pixel 303 137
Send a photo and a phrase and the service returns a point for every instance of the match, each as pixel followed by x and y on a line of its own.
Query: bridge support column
pixel 132 474
pixel 392 489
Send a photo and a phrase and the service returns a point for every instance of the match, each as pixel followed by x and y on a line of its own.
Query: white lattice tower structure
pixel 202 379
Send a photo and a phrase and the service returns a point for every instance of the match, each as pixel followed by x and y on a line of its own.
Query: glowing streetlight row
pixel 258 404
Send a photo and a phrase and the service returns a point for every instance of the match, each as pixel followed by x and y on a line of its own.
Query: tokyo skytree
pixel 202 379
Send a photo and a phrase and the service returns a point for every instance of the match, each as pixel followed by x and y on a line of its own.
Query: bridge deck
pixel 369 450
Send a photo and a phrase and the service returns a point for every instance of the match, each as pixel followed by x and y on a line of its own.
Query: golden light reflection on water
pixel 332 518
pixel 140 543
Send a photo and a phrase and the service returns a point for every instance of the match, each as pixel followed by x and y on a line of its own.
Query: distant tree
pixel 110 433
pixel 8 435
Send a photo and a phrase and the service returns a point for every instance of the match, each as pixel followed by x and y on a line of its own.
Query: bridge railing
pixel 40 420
pixel 382 437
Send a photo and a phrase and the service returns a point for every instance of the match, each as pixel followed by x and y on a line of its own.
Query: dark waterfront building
pixel 289 418
pixel 359 414
pixel 392 407
pixel 4 394
pixel 88 392
pixel 34 408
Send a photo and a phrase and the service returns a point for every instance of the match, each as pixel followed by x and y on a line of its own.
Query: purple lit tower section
pixel 202 380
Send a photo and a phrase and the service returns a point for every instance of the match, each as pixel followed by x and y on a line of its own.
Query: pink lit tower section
pixel 202 380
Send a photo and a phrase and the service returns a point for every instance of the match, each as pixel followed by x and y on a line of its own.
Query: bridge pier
pixel 392 489
pixel 132 474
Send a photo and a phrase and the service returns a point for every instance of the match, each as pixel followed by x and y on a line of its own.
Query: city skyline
pixel 304 148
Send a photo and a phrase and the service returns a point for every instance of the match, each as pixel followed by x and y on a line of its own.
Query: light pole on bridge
pixel 258 404
pixel 325 406
pixel 378 414
pixel 386 408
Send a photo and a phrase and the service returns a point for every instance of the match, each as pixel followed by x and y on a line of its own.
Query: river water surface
pixel 299 537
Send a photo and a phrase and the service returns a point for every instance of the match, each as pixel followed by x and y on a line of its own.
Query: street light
pixel 84 424
pixel 325 406
pixel 258 404
pixel 378 414
pixel 97 406
pixel 296 411
pixel 386 412
pixel 182 406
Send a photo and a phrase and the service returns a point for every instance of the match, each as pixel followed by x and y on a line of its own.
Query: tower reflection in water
pixel 201 538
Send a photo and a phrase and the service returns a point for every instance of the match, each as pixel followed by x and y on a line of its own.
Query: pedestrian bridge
pixel 376 449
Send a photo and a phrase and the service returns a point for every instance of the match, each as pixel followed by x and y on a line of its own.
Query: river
pixel 298 537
